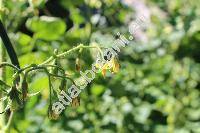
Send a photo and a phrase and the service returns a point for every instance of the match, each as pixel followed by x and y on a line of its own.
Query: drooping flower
pixel 75 102
pixel 78 65
pixel 14 99
pixel 51 114
pixel 24 90
pixel 112 65
pixel 115 65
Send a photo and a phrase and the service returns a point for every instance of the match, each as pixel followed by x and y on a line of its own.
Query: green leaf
pixel 32 58
pixel 23 39
pixel 76 17
pixel 47 28
pixel 39 83
pixel 97 89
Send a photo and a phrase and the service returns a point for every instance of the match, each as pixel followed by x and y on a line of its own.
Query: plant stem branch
pixel 4 84
pixel 8 64
pixel 69 52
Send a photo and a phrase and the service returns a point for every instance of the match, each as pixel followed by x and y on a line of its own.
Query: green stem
pixel 2 76
pixel 8 64
pixel 69 52
pixel 63 77
pixel 60 68
pixel 2 83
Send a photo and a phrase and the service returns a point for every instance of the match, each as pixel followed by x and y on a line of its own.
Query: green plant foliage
pixel 157 89
pixel 47 28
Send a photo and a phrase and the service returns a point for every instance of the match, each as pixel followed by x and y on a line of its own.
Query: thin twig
pixel 8 64
pixel 59 76
pixel 5 84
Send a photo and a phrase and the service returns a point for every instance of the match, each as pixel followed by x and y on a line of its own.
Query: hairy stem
pixel 81 46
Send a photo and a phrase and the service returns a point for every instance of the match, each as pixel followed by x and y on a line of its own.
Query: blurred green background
pixel 157 89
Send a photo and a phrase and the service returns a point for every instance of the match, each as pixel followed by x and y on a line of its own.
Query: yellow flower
pixel 115 65
pixel 111 65
pixel 104 72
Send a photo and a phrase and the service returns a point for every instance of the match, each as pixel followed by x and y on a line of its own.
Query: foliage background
pixel 157 88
